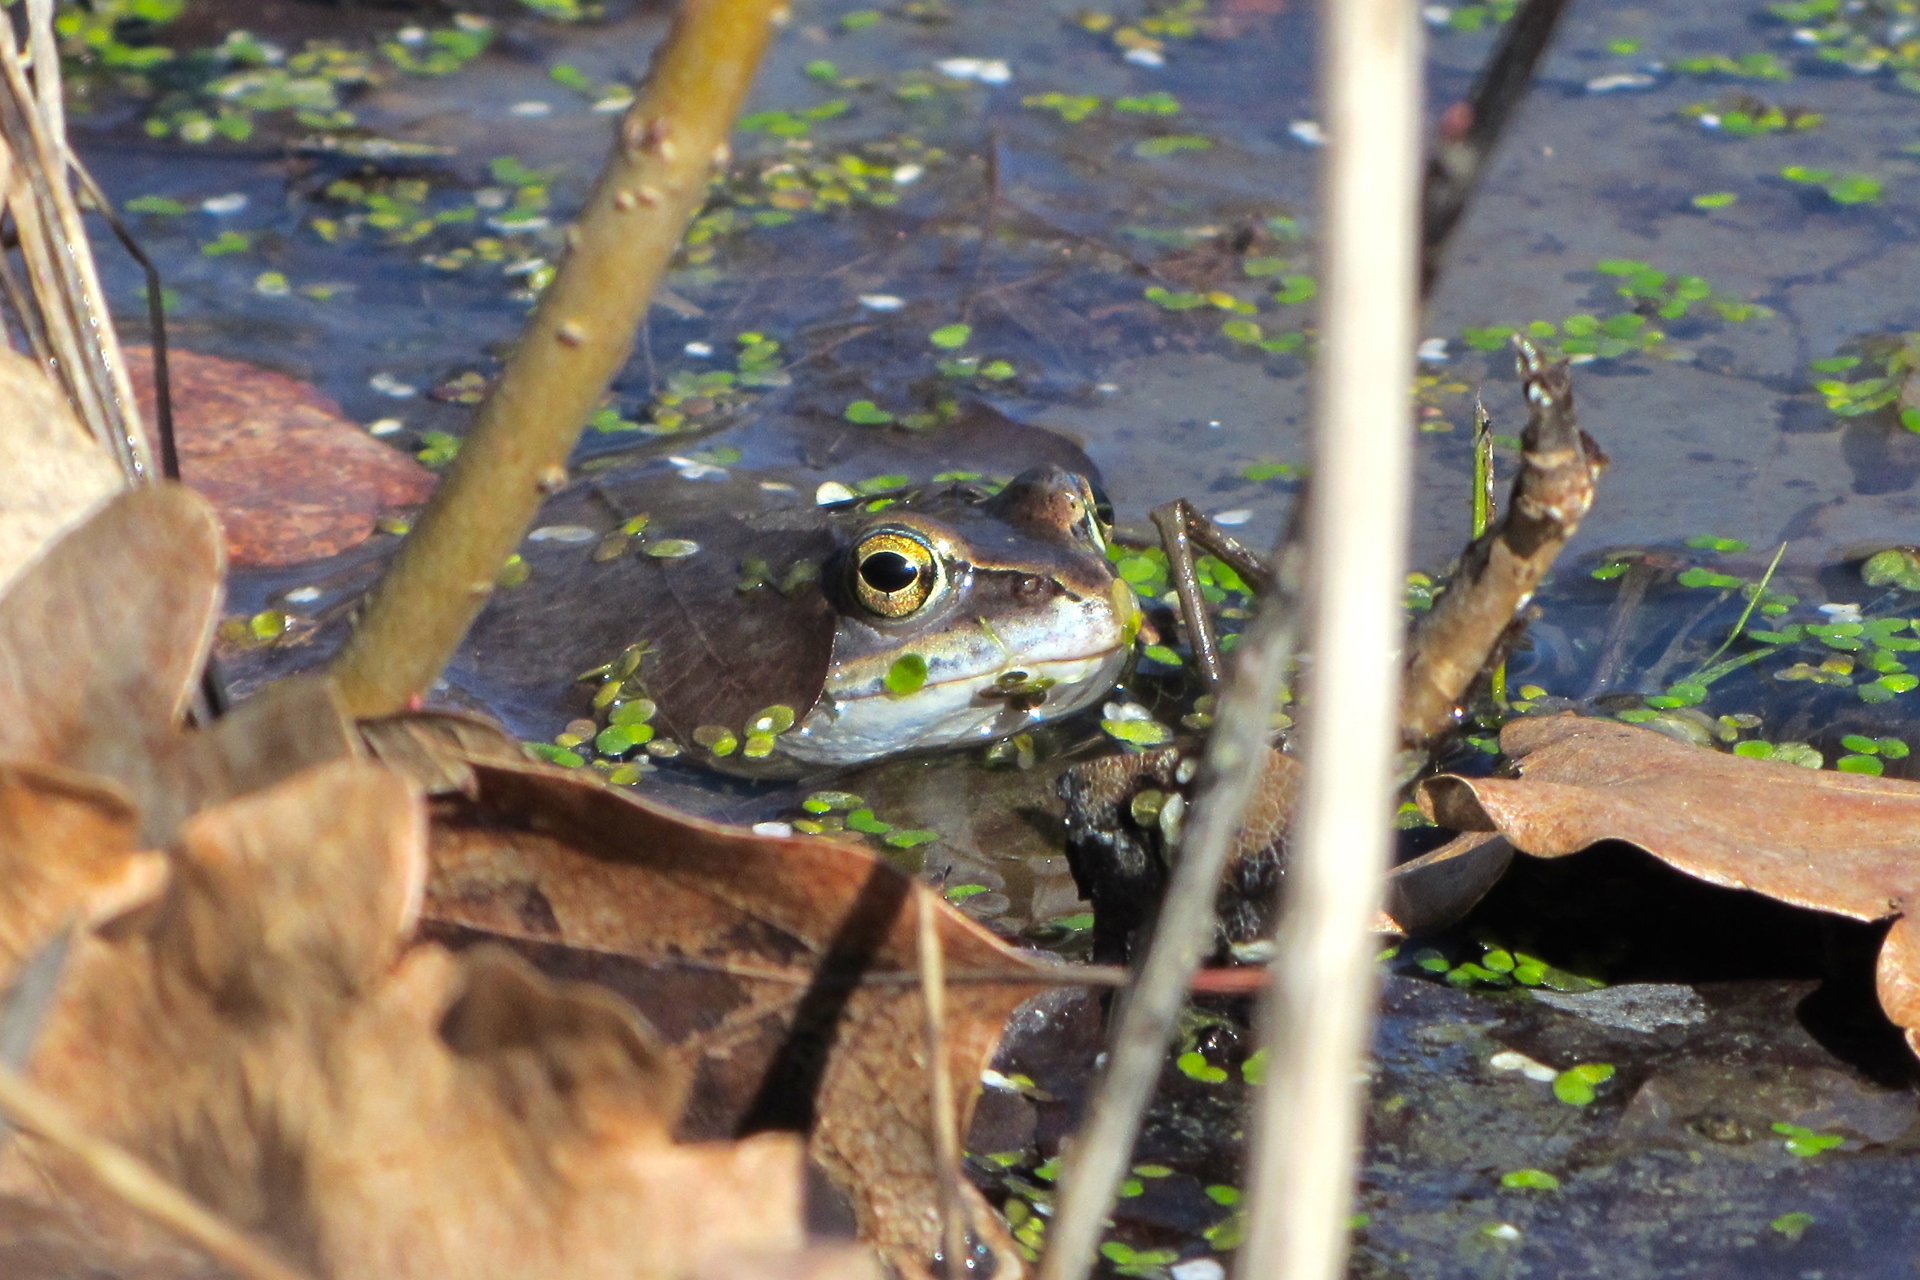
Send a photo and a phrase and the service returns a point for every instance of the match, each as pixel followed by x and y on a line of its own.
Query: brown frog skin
pixel 790 621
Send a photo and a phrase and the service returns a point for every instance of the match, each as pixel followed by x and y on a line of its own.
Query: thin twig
pixel 1098 1159
pixel 1318 1006
pixel 134 1182
pixel 946 1124
pixel 581 333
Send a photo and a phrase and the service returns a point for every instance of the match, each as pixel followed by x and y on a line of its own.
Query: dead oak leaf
pixel 292 477
pixel 52 472
pixel 1836 842
pixel 783 970
pixel 259 1036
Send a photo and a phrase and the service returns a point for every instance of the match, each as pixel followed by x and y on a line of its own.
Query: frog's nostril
pixel 1031 586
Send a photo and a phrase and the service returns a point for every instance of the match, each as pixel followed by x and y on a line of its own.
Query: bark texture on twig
pixel 1500 570
pixel 577 339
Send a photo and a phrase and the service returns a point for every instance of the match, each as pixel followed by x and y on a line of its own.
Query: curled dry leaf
pixel 783 971
pixel 257 1034
pixel 1837 842
pixel 292 477
pixel 52 473
pixel 103 637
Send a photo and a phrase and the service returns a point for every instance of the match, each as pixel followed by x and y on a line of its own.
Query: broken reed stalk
pixel 1503 567
pixel 945 1113
pixel 671 140
pixel 132 1181
pixel 61 308
pixel 1317 1008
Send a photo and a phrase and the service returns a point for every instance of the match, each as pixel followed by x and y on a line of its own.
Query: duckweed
pixel 717 739
pixel 1792 1225
pixel 907 674
pixel 672 548
pixel 1804 1142
pixel 1714 200
pixel 1529 1180
pixel 1194 1065
pixel 867 413
pixel 950 336
pixel 1576 1085
pixel 1170 144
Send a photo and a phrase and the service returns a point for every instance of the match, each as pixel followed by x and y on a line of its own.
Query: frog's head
pixel 963 618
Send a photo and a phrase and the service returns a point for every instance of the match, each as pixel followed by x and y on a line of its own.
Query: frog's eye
pixel 894 574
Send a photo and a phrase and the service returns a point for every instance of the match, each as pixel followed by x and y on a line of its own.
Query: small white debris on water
pixel 562 533
pixel 618 100
pixel 1213 424
pixel 1309 132
pixel 776 486
pixel 985 70
pixel 232 202
pixel 1239 515
pixel 831 492
pixel 1437 15
pixel 1259 951
pixel 778 829
pixel 388 385
pixel 1709 121
pixel 411 35
pixel 492 197
pixel 303 595
pixel 1842 612
pixel 531 108
pixel 881 302
pixel 1504 1231
pixel 1125 711
pixel 1433 351
pixel 1620 82
pixel 694 469
pixel 1198 1269
pixel 698 350
pixel 385 427
pixel 1145 57
pixel 908 174
pixel 1508 1060
pixel 1107 388
pixel 994 1080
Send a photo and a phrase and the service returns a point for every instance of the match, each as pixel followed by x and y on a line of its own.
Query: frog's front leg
pixel 1181 527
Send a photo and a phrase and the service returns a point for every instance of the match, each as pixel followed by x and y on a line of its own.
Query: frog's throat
pixel 856 726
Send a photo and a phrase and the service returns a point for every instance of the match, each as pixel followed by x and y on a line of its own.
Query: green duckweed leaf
pixel 907 674
pixel 1530 1180
pixel 950 336
pixel 867 414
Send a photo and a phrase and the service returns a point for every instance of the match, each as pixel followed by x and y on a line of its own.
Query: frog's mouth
pixel 857 723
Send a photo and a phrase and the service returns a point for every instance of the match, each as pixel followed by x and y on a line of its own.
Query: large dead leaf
pixel 1831 841
pixel 783 970
pixel 102 641
pixel 257 1035
pixel 292 477
pixel 103 637
pixel 51 471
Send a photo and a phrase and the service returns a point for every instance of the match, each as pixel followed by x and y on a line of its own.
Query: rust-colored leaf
pixel 95 832
pixel 261 1035
pixel 783 970
pixel 292 478
pixel 1830 841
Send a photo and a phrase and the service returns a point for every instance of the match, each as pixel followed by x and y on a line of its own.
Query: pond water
pixel 1697 201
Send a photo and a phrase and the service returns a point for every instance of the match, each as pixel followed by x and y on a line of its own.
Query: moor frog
pixel 799 636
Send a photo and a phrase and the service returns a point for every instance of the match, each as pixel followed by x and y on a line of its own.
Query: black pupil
pixel 888 571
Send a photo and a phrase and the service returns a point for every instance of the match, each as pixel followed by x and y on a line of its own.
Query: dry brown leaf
pixel 292 477
pixel 101 645
pixel 52 473
pixel 257 1036
pixel 102 638
pixel 782 969
pixel 93 827
pixel 1837 842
